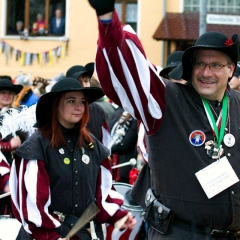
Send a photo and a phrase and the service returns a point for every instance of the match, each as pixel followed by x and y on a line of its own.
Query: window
pixel 127 12
pixel 35 15
pixel 223 6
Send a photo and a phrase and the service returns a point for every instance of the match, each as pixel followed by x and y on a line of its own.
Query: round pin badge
pixel 229 140
pixel 66 161
pixel 197 138
pixel 85 159
pixel 61 150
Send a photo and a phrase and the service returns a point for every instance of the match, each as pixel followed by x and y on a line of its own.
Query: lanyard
pixel 211 119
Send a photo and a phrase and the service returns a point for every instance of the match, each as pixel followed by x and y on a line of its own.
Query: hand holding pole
pixel 90 212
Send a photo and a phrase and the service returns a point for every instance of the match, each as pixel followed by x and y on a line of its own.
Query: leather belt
pixel 214 233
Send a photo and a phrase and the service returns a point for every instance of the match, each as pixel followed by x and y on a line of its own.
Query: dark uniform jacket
pixel 173 171
pixel 72 182
pixel 66 179
pixel 170 112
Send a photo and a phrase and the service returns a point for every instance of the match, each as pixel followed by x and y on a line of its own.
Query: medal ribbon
pixel 211 119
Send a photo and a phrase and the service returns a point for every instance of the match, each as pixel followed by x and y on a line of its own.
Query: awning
pixel 185 27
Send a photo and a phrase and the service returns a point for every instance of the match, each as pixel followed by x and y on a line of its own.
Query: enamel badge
pixel 197 138
pixel 61 150
pixel 85 159
pixel 66 161
pixel 229 140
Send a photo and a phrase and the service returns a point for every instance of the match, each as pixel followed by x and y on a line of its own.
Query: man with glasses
pixel 193 130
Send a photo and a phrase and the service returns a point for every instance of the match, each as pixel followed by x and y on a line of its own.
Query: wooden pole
pixel 5 195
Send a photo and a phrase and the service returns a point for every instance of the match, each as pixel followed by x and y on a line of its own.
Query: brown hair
pixel 52 129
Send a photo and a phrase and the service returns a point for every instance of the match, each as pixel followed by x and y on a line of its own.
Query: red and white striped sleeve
pixel 105 135
pixel 30 192
pixel 4 172
pixel 5 146
pixel 127 77
pixel 108 199
pixel 141 143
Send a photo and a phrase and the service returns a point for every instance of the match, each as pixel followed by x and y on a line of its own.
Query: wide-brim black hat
pixel 6 84
pixel 237 70
pixel 210 40
pixel 44 104
pixel 173 60
pixel 79 70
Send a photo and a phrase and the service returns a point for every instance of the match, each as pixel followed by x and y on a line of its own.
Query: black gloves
pixel 102 6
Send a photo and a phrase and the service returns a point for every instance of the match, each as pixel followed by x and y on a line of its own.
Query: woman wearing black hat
pixel 8 90
pixel 97 123
pixel 62 168
pixel 7 93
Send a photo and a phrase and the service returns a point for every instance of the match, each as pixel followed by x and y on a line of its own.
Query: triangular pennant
pixel 50 56
pixel 22 59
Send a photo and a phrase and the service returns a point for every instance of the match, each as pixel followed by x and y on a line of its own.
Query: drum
pixel 130 205
pixel 9 227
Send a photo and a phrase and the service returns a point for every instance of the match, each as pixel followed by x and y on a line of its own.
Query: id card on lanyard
pixel 217 177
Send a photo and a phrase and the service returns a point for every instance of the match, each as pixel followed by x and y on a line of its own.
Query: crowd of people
pixel 191 129
pixel 181 123
pixel 81 132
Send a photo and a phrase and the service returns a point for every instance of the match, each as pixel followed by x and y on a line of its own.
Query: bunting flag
pixel 50 56
pixel 40 59
pixel 1 47
pixel 27 58
pixel 22 58
pixel 63 52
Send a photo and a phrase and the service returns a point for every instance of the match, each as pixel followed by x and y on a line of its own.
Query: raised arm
pixel 126 75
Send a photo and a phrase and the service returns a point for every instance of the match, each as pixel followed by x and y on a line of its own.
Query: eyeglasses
pixel 213 66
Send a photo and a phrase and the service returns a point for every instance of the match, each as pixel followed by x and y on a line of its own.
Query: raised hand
pixel 102 6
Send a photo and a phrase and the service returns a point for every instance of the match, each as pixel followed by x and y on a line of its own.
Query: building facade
pixel 181 25
pixel 45 55
pixel 163 26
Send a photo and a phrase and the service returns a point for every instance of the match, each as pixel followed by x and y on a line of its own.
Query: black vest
pixel 174 160
pixel 72 182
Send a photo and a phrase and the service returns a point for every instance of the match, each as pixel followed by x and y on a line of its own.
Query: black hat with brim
pixel 210 40
pixel 6 84
pixel 176 73
pixel 237 70
pixel 44 104
pixel 79 70
pixel 173 60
